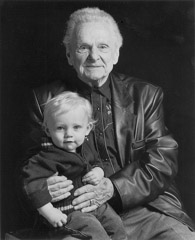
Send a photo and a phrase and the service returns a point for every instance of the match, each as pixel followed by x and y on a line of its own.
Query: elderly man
pixel 137 151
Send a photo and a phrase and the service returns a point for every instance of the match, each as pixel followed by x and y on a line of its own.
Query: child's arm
pixel 54 216
pixel 94 176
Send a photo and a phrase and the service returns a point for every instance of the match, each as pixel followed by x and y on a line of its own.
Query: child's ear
pixel 46 129
pixel 89 127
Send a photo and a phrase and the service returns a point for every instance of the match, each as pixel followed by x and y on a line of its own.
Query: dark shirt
pixel 103 133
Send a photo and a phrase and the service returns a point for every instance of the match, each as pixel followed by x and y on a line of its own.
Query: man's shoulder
pixel 134 86
pixel 51 87
pixel 132 83
pixel 49 90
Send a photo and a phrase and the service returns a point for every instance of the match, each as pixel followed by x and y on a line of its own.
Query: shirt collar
pixel 104 89
pixel 85 90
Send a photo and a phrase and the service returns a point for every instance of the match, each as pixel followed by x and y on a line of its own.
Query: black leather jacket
pixel 147 151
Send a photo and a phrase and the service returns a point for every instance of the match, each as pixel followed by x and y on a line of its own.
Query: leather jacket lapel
pixel 124 118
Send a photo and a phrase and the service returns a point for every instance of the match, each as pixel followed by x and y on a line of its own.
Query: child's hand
pixel 56 218
pixel 53 215
pixel 94 176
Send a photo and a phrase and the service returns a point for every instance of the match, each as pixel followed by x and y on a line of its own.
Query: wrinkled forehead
pixel 103 24
pixel 92 30
pixel 99 20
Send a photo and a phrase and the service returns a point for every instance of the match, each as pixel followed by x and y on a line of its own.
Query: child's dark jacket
pixel 51 160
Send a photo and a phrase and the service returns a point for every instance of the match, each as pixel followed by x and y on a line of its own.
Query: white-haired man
pixel 138 153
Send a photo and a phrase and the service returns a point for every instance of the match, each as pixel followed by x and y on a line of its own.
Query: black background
pixel 158 47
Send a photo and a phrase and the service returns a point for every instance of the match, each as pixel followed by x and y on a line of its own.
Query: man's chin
pixel 94 78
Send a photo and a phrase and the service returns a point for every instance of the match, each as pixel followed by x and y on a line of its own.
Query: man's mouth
pixel 92 66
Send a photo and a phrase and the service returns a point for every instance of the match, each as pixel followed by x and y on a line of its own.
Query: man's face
pixel 93 52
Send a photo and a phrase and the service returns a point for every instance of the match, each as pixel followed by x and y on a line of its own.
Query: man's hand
pixel 89 197
pixel 59 187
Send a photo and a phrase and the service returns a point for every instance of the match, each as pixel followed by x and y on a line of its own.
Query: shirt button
pixel 98 108
pixel 100 133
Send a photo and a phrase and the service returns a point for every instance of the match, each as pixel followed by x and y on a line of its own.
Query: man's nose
pixel 94 54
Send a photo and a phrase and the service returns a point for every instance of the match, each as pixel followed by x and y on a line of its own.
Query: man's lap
pixel 142 223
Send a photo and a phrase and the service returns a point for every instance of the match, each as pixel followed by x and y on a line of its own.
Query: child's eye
pixel 77 127
pixel 60 128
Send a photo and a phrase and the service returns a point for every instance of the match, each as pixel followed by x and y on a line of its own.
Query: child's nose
pixel 68 133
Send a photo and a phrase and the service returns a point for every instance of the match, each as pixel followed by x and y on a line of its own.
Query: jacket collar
pixel 123 112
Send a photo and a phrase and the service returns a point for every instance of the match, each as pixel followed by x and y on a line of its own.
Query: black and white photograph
pixel 97 120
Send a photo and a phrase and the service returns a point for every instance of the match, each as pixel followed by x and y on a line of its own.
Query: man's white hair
pixel 91 14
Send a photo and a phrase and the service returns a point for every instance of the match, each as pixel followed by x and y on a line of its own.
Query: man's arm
pixel 153 164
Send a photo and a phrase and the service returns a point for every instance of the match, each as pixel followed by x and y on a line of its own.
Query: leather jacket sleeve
pixel 152 164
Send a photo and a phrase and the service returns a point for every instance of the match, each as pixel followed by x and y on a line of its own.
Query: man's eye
pixel 103 48
pixel 83 49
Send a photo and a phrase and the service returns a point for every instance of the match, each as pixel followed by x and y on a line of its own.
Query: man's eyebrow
pixel 82 43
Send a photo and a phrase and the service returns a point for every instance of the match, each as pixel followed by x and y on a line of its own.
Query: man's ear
pixel 68 55
pixel 116 56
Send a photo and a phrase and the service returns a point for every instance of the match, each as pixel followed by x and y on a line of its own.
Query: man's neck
pixel 94 83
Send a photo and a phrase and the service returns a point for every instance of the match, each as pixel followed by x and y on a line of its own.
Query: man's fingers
pixel 61 191
pixel 90 195
pixel 83 200
pixel 60 197
pixel 59 187
pixel 67 185
pixel 89 209
pixel 61 194
pixel 84 189
pixel 55 179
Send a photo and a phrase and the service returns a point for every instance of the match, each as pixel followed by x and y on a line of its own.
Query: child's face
pixel 68 130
